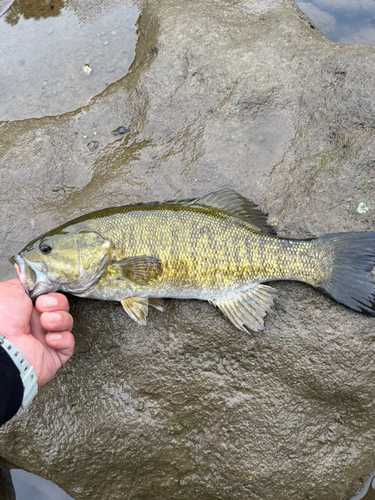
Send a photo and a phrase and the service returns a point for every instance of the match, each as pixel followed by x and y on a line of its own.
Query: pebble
pixel 92 145
pixel 362 208
pixel 123 130
pixel 86 69
pixel 120 130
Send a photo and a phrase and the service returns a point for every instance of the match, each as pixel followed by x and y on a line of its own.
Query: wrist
pixel 27 372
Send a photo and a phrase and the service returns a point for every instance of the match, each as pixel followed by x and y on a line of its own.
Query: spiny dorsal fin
pixel 141 269
pixel 247 309
pixel 137 308
pixel 233 203
pixel 230 202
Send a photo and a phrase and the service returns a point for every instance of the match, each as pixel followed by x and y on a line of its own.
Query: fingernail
pixel 49 301
pixel 55 336
pixel 54 317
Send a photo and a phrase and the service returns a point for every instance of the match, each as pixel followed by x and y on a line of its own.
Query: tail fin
pixel 352 280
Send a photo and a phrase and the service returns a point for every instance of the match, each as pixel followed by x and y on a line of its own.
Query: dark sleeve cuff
pixel 11 387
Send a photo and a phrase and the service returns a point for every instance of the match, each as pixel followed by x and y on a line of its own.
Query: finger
pixel 52 302
pixel 56 321
pixel 62 342
pixel 14 283
pixel 15 308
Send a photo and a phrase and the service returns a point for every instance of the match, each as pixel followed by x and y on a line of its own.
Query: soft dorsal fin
pixel 230 202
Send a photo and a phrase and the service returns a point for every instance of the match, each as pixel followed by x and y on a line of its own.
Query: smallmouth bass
pixel 217 248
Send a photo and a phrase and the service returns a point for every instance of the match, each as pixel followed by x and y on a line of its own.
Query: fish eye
pixel 45 247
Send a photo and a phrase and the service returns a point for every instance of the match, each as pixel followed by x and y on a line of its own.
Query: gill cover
pixel 93 252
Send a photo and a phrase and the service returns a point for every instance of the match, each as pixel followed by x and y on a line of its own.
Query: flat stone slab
pixel 242 94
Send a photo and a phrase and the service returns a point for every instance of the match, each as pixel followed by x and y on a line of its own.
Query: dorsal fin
pixel 230 202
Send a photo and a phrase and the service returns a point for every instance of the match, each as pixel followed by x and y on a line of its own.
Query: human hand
pixel 42 333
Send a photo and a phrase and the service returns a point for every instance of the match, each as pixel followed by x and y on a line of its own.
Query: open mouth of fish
pixel 31 275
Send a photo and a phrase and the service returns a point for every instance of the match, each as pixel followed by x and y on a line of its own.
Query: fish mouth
pixel 32 276
pixel 25 273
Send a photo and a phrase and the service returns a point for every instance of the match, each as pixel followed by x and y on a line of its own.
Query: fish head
pixel 69 261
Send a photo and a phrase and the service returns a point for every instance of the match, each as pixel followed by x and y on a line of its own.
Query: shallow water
pixel 30 487
pixel 54 60
pixel 368 490
pixel 343 21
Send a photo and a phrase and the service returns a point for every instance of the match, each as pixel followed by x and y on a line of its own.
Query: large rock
pixel 241 94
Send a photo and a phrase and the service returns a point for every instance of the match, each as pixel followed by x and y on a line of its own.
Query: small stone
pixel 92 145
pixel 123 130
pixel 86 69
pixel 362 208
pixel 120 130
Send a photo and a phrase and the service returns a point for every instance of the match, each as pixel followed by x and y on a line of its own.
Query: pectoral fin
pixel 137 308
pixel 142 269
pixel 247 309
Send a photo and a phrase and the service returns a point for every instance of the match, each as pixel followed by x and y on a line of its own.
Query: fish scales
pixel 202 251
pixel 217 248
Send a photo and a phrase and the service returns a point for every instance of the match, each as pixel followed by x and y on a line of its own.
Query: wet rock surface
pixel 247 95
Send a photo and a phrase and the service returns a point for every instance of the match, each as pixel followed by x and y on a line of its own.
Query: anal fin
pixel 137 308
pixel 246 310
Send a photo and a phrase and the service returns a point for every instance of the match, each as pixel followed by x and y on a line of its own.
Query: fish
pixel 219 248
